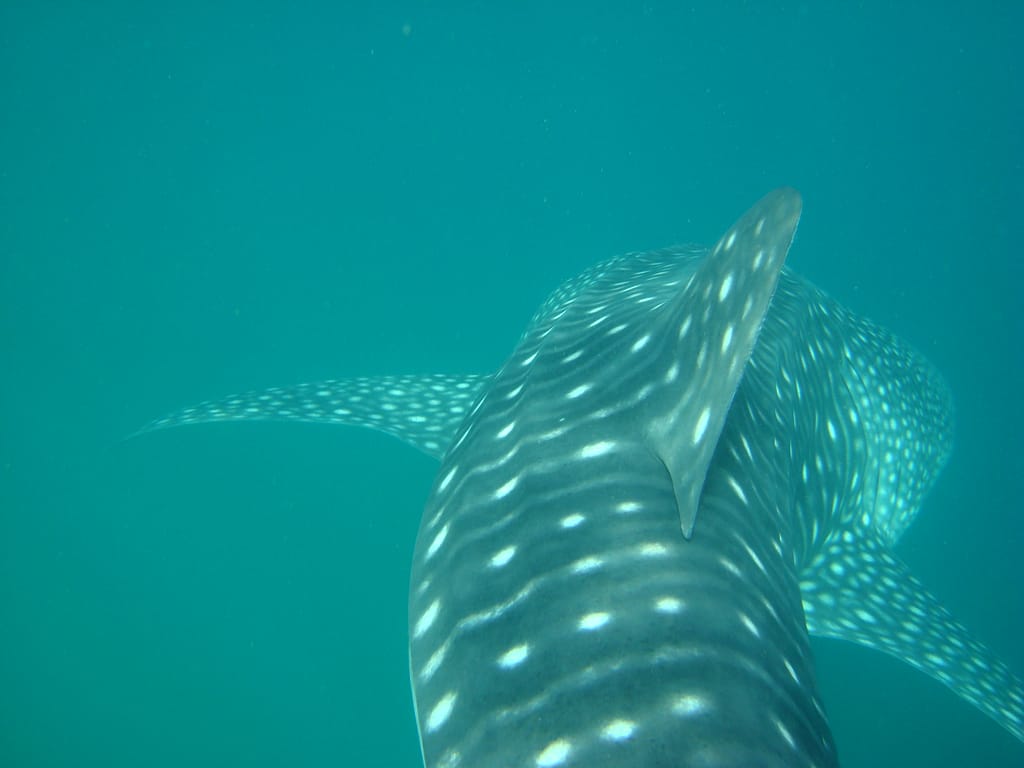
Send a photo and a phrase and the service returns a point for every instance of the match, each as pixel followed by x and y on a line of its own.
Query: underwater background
pixel 197 199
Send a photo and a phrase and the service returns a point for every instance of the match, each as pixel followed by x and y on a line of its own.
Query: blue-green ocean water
pixel 199 199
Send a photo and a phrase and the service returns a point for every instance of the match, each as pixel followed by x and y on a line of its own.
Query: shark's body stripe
pixel 594 436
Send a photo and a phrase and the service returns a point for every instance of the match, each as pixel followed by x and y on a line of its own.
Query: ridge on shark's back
pixel 692 459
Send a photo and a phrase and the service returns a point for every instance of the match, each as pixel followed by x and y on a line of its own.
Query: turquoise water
pixel 195 201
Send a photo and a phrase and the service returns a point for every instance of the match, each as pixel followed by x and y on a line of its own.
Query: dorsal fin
pixel 716 318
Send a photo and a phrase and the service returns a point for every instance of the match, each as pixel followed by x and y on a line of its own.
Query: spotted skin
pixel 855 589
pixel 423 411
pixel 829 442
pixel 695 651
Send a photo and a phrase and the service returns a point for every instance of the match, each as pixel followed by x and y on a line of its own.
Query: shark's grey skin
pixel 558 613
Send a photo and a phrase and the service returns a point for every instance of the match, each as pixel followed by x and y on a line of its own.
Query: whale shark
pixel 692 461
